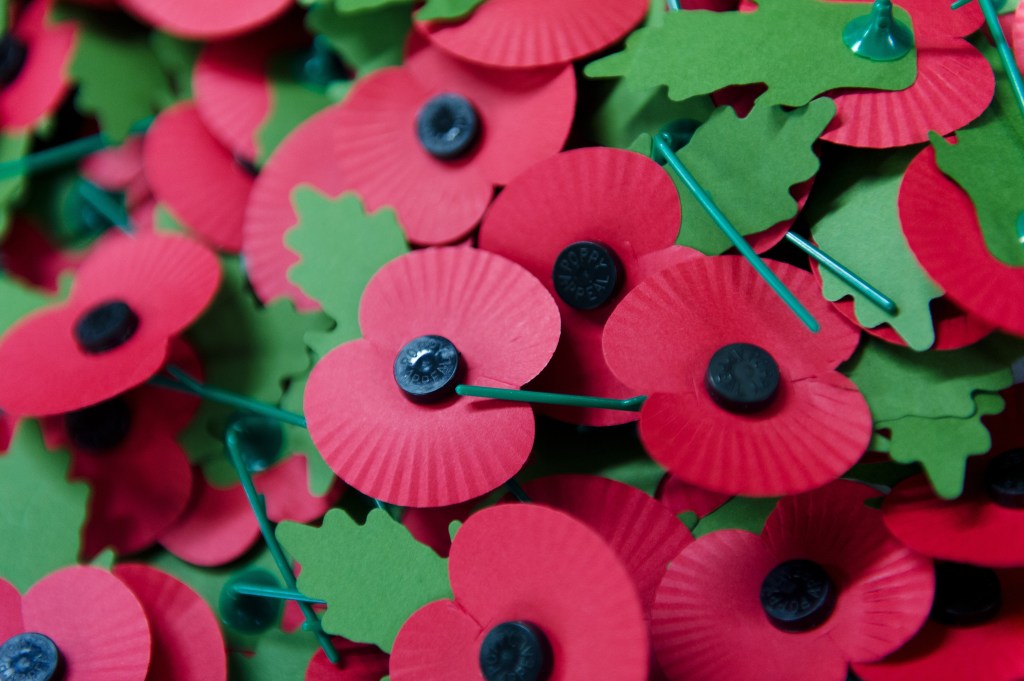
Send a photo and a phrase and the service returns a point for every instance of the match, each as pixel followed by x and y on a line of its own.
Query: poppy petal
pixel 438 641
pixel 206 19
pixel 217 527
pixel 10 611
pixel 359 663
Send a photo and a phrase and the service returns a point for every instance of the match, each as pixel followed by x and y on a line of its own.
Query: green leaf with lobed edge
pixel 739 513
pixel 449 10
pixel 291 102
pixel 368 40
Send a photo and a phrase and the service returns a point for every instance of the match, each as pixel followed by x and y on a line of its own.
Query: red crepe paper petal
pixel 816 429
pixel 988 651
pixel 187 640
pixel 118 168
pixel 10 611
pixel 771 237
pixel 28 253
pixel 206 19
pixel 43 80
pixel 1016 35
pixel 287 494
pixel 941 226
pixel 681 496
pixel 359 663
pixel 644 534
pixel 198 179
pixel 618 198
pixel 299 159
pixel 167 281
pixel 430 525
pixel 438 641
pixel 7 424
pixel 95 620
pixel 522 33
pixel 710 302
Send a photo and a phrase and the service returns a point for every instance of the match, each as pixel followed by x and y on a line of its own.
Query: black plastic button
pixel 515 651
pixel 447 126
pixel 742 378
pixel 586 275
pixel 428 368
pixel 12 58
pixel 105 326
pixel 99 428
pixel 30 657
pixel 245 613
pixel 1004 479
pixel 259 441
pixel 965 595
pixel 798 596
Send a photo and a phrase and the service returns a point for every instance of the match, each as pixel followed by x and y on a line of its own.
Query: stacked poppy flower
pixel 354 339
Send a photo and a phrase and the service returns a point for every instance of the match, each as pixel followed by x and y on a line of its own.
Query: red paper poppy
pixel 187 641
pixel 132 295
pixel 681 497
pixel 126 449
pixel 299 159
pixel 196 178
pixel 521 117
pixel 987 650
pixel 42 81
pixel 119 169
pixel 219 526
pixel 430 526
pixel 808 424
pixel 941 226
pixel 974 528
pixel 622 201
pixel 528 564
pixel 525 33
pixel 206 19
pixel 709 622
pixel 93 618
pixel 504 327
pixel 359 662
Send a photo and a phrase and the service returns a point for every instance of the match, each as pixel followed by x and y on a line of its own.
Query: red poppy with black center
pixel 433 137
pixel 981 525
pixel 822 586
pixel 529 33
pixel 589 224
pixel 382 410
pixel 742 397
pixel 129 298
pixel 974 631
pixel 34 60
pixel 538 596
pixel 206 19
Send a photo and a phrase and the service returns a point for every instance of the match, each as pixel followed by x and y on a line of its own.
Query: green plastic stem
pixel 105 205
pixel 271 592
pixel 663 146
pixel 630 404
pixel 182 382
pixel 1005 53
pixel 64 154
pixel 876 297
pixel 674 5
pixel 516 490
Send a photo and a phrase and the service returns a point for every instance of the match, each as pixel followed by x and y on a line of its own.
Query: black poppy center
pixel 586 275
pixel 259 441
pixel 798 595
pixel 428 368
pixel 1004 479
pixel 105 326
pixel 742 378
pixel 30 657
pixel 12 58
pixel 101 427
pixel 515 651
pixel 247 613
pixel 447 126
pixel 965 595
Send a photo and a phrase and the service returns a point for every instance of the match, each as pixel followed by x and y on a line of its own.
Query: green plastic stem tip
pixel 877 35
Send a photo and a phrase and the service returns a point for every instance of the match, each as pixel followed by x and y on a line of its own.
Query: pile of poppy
pixel 360 339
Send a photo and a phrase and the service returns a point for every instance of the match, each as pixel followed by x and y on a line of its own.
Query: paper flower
pixel 36 55
pixel 526 33
pixel 129 299
pixel 974 631
pixel 824 585
pixel 534 590
pixel 206 19
pixel 742 398
pixel 381 410
pixel 582 222
pixel 433 137
pixel 359 663
pixel 680 497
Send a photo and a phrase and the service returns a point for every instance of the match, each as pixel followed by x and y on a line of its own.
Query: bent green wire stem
pixel 64 154
pixel 270 592
pixel 1005 53
pixel 182 382
pixel 875 296
pixel 558 399
pixel 105 206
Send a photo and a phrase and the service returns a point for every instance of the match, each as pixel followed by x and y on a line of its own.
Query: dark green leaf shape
pixel 449 10
pixel 739 513
pixel 368 40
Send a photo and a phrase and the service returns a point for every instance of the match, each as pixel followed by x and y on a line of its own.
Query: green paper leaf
pixel 43 512
pixel 739 513
pixel 447 9
pixel 795 47
pixel 178 59
pixel 297 441
pixel 291 102
pixel 861 229
pixel 627 113
pixel 341 247
pixel 747 165
pixel 356 6
pixel 942 446
pixel 120 79
pixel 12 189
pixel 366 41
pixel 887 473
pixel 373 576
pixel 988 162
pixel 898 382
